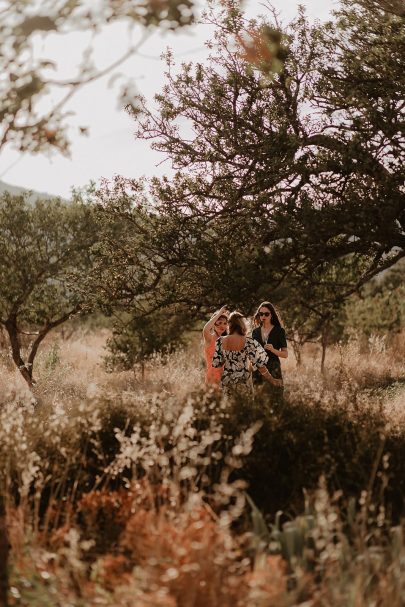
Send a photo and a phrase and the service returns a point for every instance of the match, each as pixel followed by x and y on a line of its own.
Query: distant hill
pixel 14 189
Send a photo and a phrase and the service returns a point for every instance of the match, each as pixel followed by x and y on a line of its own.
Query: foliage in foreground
pixel 136 496
pixel 34 72
pixel 167 555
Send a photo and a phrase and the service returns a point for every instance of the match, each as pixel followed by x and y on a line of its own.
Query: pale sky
pixel 111 147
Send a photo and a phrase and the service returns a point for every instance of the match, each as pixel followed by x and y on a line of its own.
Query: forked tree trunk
pixel 11 328
pixel 26 367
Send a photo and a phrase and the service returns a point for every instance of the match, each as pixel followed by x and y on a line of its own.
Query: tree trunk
pixel 297 349
pixel 11 328
pixel 4 549
pixel 324 343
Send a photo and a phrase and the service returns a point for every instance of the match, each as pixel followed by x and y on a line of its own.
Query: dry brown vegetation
pixel 123 492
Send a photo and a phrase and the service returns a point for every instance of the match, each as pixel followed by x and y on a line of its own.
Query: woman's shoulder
pixel 252 342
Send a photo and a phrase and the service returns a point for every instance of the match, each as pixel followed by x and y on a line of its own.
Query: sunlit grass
pixel 123 491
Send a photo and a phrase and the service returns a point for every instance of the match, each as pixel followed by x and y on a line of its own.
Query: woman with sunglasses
pixel 270 334
pixel 215 327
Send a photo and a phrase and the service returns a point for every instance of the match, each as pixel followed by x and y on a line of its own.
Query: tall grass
pixel 157 493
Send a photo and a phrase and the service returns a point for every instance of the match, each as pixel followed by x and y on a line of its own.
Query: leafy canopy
pixel 312 161
pixel 45 253
pixel 290 187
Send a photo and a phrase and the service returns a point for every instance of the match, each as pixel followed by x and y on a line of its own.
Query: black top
pixel 276 338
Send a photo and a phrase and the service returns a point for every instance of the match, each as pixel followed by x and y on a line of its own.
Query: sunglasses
pixel 221 322
pixel 264 313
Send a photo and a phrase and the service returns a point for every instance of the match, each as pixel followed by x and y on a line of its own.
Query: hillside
pixel 13 189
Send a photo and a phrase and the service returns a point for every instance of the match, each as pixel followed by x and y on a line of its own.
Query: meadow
pixel 155 492
pixel 285 150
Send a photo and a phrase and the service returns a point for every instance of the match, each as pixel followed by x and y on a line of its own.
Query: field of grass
pixel 156 493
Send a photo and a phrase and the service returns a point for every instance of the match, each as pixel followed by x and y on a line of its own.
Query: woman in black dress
pixel 270 334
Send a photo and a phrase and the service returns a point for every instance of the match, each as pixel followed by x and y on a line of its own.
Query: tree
pixel 288 188
pixel 128 271
pixel 310 164
pixel 315 307
pixel 45 253
pixel 135 340
pixel 31 119
pixel 130 281
pixel 379 308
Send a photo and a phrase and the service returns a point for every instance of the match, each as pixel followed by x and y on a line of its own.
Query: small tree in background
pixel 379 309
pixel 44 256
pixel 315 304
pixel 134 342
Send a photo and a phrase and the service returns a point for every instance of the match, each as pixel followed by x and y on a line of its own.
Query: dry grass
pixel 174 531
pixel 74 368
pixel 67 370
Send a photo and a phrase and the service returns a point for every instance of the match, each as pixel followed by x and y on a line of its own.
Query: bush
pixel 353 447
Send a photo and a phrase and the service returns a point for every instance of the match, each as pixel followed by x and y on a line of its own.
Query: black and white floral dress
pixel 236 362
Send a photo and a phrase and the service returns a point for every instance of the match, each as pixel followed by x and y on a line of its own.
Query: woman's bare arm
pixel 268 377
pixel 210 324
pixel 282 353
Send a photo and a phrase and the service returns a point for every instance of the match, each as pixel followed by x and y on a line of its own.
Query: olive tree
pixel 45 253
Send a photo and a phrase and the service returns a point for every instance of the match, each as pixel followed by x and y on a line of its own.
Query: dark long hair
pixel 275 316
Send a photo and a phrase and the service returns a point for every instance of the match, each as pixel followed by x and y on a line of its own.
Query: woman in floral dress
pixel 237 353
